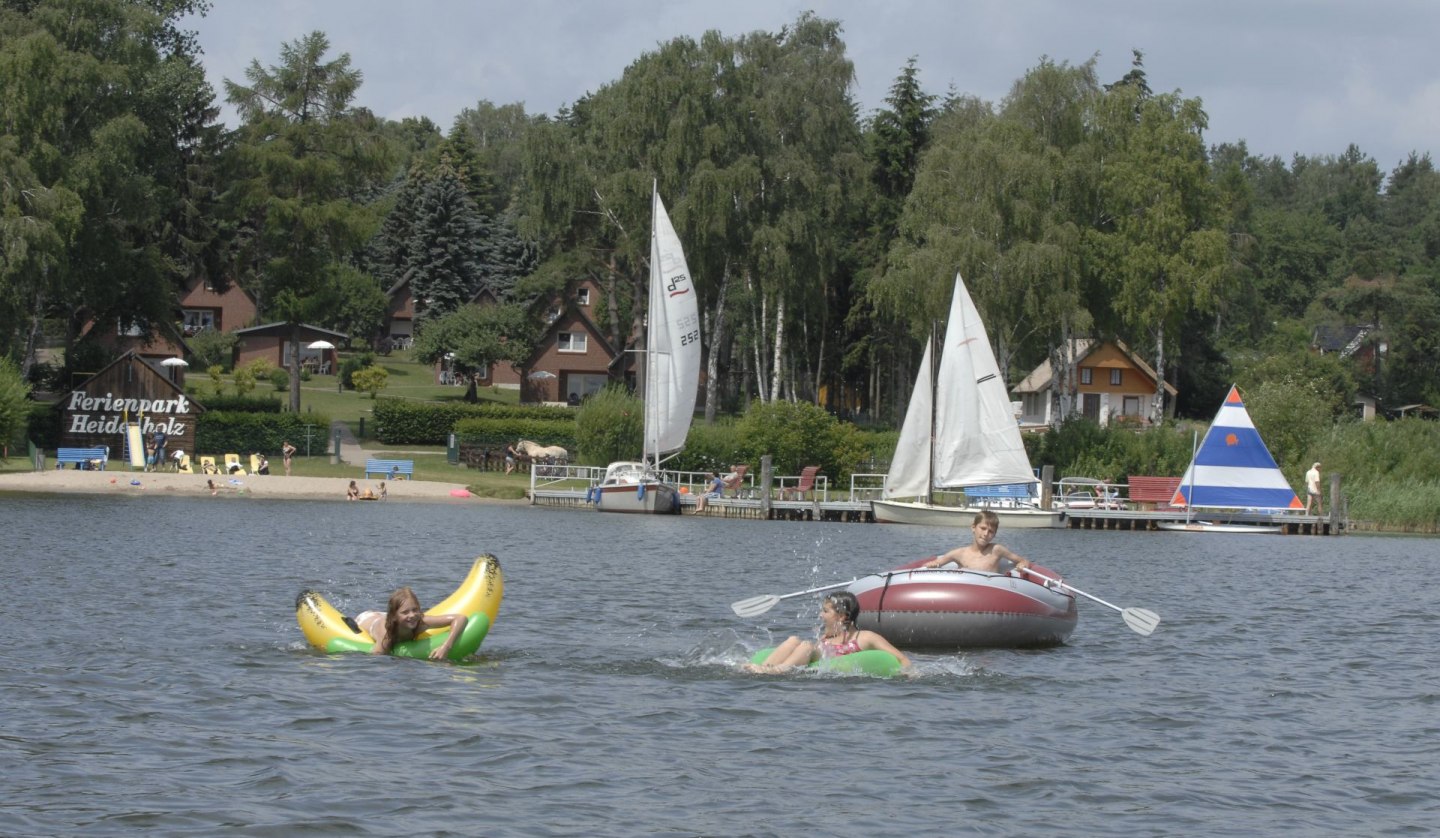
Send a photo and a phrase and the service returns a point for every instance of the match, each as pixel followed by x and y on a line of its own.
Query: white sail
pixel 977 440
pixel 672 363
pixel 909 475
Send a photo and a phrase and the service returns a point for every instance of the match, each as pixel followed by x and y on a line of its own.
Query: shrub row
pixel 498 432
pixel 399 422
pixel 245 433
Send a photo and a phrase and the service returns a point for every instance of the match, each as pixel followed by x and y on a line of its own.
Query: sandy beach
pixel 72 481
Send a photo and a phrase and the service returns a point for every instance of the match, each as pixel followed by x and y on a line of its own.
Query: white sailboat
pixel 959 432
pixel 672 378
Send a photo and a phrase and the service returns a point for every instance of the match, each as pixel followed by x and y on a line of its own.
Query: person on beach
pixel 287 454
pixel 838 636
pixel 510 455
pixel 150 457
pixel 983 553
pixel 402 619
pixel 383 494
pixel 262 465
pixel 210 484
pixel 1312 491
pixel 353 492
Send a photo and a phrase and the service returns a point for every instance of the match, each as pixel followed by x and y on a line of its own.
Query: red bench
pixel 1153 492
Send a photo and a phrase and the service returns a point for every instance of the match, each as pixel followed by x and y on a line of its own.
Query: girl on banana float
pixel 403 619
pixel 838 636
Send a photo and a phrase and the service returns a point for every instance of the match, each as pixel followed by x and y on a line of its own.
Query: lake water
pixel 155 681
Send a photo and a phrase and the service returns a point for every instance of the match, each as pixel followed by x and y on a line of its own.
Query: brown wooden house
pixel 1114 384
pixel 94 412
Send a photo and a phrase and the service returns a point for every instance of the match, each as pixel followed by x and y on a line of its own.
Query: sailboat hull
pixel 964 609
pixel 656 499
pixel 1206 526
pixel 903 512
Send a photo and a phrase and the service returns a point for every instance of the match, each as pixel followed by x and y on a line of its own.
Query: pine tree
pixel 443 260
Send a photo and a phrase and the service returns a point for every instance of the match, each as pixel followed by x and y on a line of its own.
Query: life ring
pixel 875 662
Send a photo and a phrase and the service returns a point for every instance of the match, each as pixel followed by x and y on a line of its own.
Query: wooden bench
pixel 1006 494
pixel 1153 492
pixel 83 458
pixel 391 468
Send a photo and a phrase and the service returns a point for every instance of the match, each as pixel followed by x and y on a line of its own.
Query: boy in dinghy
pixel 983 553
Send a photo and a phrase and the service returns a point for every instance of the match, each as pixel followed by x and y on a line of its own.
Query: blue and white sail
pixel 1232 468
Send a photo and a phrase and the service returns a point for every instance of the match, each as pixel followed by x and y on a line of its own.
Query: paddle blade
pixel 755 605
pixel 1141 620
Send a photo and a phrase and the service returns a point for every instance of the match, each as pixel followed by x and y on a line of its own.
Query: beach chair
pixel 182 465
pixel 735 479
pixel 207 466
pixel 254 464
pixel 232 464
pixel 806 484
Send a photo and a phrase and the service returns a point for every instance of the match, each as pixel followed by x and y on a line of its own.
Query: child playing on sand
pixel 403 619
pixel 838 636
pixel 983 553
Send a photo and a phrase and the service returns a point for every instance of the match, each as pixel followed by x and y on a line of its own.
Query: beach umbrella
pixel 174 362
pixel 321 344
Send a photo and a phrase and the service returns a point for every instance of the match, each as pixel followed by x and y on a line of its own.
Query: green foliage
pixel 1081 448
pixel 1292 412
pixel 370 380
pixel 244 380
pixel 232 432
pixel 280 379
pixel 499 431
pixel 212 348
pixel 243 404
pixel 354 364
pixel 217 385
pixel 401 422
pixel 1388 471
pixel 797 434
pixel 609 426
pixel 477 336
pixel 14 403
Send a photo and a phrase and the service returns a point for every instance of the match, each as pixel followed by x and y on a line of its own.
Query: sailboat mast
pixel 935 350
pixel 648 396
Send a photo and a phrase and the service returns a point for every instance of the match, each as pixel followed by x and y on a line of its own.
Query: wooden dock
pixel 569 487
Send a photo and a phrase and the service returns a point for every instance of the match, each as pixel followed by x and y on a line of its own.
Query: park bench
pixel 1153 492
pixel 391 468
pixel 1007 494
pixel 83 458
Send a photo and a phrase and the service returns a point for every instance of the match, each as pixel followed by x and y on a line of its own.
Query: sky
pixel 1288 77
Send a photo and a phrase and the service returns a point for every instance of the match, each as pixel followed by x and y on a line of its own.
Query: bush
pixel 370 380
pixel 14 403
pixel 211 348
pixel 280 380
pixel 610 426
pixel 354 364
pixel 221 432
pixel 399 422
pixel 798 434
pixel 243 404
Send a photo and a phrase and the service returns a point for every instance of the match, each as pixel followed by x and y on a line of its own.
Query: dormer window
pixel 582 297
pixel 572 341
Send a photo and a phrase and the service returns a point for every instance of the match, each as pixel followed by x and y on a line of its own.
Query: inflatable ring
pixel 478 598
pixel 866 662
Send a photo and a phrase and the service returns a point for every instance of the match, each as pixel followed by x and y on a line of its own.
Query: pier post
pixel 767 473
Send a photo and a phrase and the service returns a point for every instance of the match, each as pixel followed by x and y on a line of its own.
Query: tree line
pixel 823 242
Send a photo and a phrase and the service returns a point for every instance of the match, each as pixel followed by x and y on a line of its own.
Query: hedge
pixel 219 432
pixel 401 422
pixel 486 431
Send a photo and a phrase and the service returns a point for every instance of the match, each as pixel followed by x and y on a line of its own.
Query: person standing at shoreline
pixel 287 453
pixel 1312 491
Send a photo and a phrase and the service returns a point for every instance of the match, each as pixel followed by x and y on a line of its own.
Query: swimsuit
pixel 844 647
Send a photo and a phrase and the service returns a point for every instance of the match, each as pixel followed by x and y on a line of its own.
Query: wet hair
pixel 846 604
pixel 986 516
pixel 400 598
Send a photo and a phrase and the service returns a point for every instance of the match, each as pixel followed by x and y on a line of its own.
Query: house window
pixel 572 341
pixel 1115 377
pixel 582 297
pixel 1087 375
pixel 131 331
pixel 1131 406
pixel 197 320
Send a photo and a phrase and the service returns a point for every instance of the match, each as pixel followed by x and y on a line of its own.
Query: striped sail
pixel 1232 468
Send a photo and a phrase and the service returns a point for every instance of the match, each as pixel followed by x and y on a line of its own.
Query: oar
pixel 757 605
pixel 1140 620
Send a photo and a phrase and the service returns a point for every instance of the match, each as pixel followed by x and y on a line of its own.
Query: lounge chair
pixel 735 479
pixel 806 484
pixel 232 464
pixel 207 466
